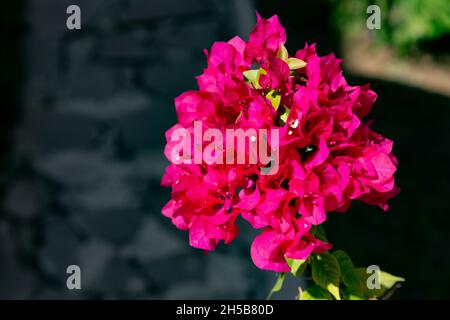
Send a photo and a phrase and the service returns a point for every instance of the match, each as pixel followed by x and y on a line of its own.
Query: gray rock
pixel 128 48
pixel 113 193
pixel 153 243
pixel 94 257
pixel 165 273
pixel 112 226
pixel 172 79
pixel 60 249
pixel 94 181
pixel 180 40
pixel 17 281
pixel 227 276
pixel 73 168
pixel 74 131
pixel 190 291
pixel 60 294
pixel 135 286
pixel 114 277
pixel 138 129
pixel 26 198
pixel 135 11
pixel 86 81
pixel 114 106
pixel 154 171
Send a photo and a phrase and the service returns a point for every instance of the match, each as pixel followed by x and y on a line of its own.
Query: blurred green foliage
pixel 405 24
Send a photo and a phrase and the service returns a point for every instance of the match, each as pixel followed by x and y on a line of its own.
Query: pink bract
pixel 328 155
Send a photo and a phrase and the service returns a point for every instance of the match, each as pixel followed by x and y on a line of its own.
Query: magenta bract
pixel 328 156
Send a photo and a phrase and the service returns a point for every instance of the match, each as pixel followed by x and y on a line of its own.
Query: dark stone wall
pixel 81 169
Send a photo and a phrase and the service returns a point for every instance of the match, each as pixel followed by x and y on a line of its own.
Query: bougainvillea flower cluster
pixel 327 155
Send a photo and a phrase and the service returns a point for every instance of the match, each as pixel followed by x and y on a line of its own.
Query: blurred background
pixel 82 121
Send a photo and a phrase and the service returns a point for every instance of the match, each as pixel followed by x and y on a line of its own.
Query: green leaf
pixel 284 115
pixel 386 280
pixel 252 77
pixel 389 280
pixel 278 284
pixel 295 63
pixel 326 273
pixel 315 293
pixel 297 266
pixel 348 274
pixel 275 98
pixel 283 53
